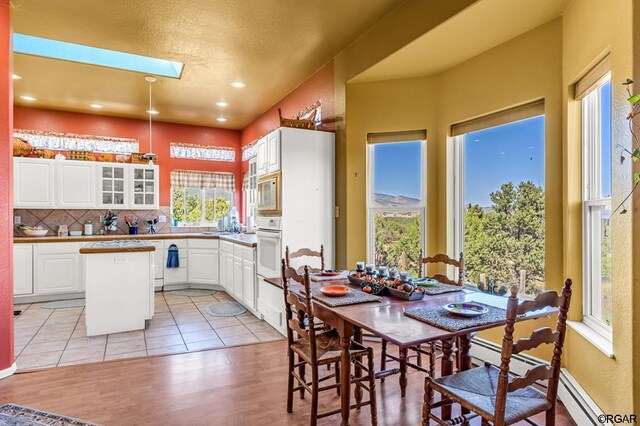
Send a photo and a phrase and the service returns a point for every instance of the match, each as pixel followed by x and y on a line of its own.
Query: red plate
pixel 330 273
pixel 335 290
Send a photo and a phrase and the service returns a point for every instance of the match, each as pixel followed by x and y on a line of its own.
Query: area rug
pixel 61 304
pixel 225 309
pixel 16 415
pixel 192 292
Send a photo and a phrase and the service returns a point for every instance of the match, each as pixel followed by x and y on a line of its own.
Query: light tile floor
pixel 57 337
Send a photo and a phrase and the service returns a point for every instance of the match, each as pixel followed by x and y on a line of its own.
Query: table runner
pixel 351 298
pixel 441 288
pixel 441 318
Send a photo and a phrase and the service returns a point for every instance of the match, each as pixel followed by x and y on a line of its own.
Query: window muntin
pixel 596 171
pixel 500 205
pixel 199 207
pixel 396 204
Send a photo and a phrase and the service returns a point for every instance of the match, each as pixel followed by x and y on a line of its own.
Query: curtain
pixel 203 180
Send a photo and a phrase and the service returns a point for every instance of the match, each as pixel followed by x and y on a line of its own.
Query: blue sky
pixel 397 169
pixel 606 139
pixel 510 153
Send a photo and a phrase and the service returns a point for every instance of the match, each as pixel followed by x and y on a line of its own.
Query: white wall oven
pixel 269 253
pixel 269 192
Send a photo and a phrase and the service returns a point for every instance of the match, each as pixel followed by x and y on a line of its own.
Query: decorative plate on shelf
pixel 466 309
pixel 335 290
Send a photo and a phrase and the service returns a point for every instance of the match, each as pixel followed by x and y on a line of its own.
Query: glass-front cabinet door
pixel 111 186
pixel 144 181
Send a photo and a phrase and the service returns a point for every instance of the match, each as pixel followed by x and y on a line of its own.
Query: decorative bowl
pixel 335 290
pixel 466 309
pixel 330 273
pixel 35 232
pixel 75 233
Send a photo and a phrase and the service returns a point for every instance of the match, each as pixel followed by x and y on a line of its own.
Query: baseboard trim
pixel 578 403
pixel 8 371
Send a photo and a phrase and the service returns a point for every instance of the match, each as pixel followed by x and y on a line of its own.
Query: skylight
pixel 48 48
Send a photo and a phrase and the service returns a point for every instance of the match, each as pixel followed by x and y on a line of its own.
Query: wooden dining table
pixel 386 320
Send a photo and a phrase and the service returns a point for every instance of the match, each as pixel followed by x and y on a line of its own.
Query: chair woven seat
pixel 478 388
pixel 327 346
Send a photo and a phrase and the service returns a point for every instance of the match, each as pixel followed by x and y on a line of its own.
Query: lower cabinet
pixel 237 278
pixel 180 275
pixel 22 269
pixel 271 305
pixel 57 268
pixel 203 266
pixel 249 283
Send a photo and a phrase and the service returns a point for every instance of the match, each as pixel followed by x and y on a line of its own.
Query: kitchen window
pixel 499 199
pixel 200 198
pixel 596 178
pixel 396 199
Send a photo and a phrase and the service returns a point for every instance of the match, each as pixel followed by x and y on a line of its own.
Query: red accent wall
pixel 6 205
pixel 163 134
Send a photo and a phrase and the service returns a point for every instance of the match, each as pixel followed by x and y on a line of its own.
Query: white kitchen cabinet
pixel 203 266
pixel 262 157
pixel 273 151
pixel 178 275
pixel 271 305
pixel 33 183
pixel 229 271
pixel 22 269
pixel 249 283
pixel 57 268
pixel 143 187
pixel 111 184
pixel 237 278
pixel 158 266
pixel 75 184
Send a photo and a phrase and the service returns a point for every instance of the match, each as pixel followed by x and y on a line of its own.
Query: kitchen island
pixel 119 283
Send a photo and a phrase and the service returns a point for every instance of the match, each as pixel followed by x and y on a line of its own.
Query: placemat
pixel 351 298
pixel 441 318
pixel 318 278
pixel 441 288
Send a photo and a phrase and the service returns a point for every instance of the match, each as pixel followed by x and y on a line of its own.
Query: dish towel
pixel 173 260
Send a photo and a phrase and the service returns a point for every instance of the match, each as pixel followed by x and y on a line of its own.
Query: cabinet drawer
pixel 243 252
pixel 181 244
pixel 226 246
pixel 58 248
pixel 158 244
pixel 204 243
pixel 175 275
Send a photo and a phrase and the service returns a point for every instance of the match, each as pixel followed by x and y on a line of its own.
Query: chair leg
pixel 301 371
pixel 485 422
pixel 550 419
pixel 337 370
pixel 373 405
pixel 428 400
pixel 383 358
pixel 419 360
pixel 314 396
pixel 290 382
pixel 432 360
pixel 403 371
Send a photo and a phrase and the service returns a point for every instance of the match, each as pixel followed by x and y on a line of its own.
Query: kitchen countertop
pixel 249 240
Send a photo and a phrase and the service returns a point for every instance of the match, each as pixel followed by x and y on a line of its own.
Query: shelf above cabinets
pixel 47 184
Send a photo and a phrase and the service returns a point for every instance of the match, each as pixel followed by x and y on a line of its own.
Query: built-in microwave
pixel 269 193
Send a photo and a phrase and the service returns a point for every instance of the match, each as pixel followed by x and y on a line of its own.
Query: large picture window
pixel 500 201
pixel 199 207
pixel 396 202
pixel 596 178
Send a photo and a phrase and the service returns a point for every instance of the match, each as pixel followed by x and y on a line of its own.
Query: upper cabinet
pixel 50 184
pixel 111 186
pixel 75 181
pixel 143 185
pixel 33 183
pixel 268 158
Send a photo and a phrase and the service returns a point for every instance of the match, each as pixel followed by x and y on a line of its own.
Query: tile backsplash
pixel 75 219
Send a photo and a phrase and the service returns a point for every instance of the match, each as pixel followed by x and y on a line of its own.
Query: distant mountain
pixel 394 200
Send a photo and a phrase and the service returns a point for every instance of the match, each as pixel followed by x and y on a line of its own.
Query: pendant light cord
pixel 150 125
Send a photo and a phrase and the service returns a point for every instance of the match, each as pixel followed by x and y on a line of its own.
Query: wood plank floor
pixel 233 386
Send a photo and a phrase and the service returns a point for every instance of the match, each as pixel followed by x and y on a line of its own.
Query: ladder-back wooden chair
pixel 314 349
pixel 491 392
pixel 305 252
pixel 405 357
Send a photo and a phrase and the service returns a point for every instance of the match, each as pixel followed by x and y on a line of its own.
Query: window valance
pixel 75 142
pixel 203 180
pixel 202 152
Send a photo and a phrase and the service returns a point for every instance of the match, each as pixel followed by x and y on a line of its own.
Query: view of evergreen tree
pixel 192 211
pixel 507 237
pixel 177 204
pixel 397 235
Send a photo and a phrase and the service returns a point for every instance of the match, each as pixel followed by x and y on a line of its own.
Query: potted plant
pixel 109 222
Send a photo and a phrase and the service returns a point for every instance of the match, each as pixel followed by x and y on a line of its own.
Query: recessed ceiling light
pixel 96 106
pixel 16 77
pixel 222 104
pixel 153 112
pixel 28 98
pixel 221 119
pixel 238 84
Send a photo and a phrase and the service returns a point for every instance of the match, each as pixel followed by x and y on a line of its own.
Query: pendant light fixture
pixel 150 155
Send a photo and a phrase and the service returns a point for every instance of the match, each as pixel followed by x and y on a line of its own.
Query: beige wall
pixel 540 64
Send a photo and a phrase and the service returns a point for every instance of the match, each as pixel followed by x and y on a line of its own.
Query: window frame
pixel 591 145
pixel 227 195
pixel 372 209
pixel 457 181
